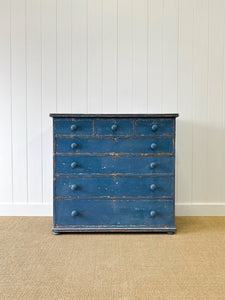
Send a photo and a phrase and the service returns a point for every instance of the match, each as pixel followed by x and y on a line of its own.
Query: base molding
pixel 57 230
pixel 200 209
pixel 46 209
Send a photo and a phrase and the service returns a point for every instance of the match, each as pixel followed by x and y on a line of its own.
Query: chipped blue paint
pixel 117 213
pixel 114 186
pixel 114 172
pixel 115 145
pixel 72 165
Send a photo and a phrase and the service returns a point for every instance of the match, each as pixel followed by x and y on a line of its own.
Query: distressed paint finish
pixel 114 213
pixel 114 172
pixel 115 186
pixel 105 145
pixel 126 165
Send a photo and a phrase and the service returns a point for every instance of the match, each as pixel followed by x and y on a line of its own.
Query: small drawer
pixel 75 127
pixel 113 127
pixel 154 127
pixel 115 187
pixel 69 165
pixel 117 213
pixel 134 146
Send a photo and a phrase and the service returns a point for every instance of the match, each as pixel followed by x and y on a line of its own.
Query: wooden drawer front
pixel 115 145
pixel 118 187
pixel 75 127
pixel 154 127
pixel 68 165
pixel 101 213
pixel 114 127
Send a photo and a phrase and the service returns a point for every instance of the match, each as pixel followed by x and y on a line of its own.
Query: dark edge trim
pixel 174 161
pixel 54 115
pixel 54 173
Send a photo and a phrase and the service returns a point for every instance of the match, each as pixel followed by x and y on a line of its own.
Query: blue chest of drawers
pixel 114 172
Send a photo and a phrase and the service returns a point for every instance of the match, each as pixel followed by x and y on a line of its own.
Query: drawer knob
pixel 153 187
pixel 153 146
pixel 74 145
pixel 74 187
pixel 154 127
pixel 152 213
pixel 73 127
pixel 74 213
pixel 153 165
pixel 74 165
pixel 114 127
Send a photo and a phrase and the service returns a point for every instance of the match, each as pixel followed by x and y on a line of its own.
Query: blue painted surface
pixel 83 127
pixel 114 145
pixel 108 213
pixel 113 127
pixel 68 165
pixel 89 187
pixel 114 172
pixel 154 127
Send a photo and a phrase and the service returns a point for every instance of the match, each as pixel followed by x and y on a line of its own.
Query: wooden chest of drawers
pixel 114 172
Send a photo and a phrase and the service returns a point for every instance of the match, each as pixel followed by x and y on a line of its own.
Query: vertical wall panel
pixel 125 56
pixel 109 56
pixel 200 101
pixel 34 105
pixel 19 107
pixel 170 54
pixel 140 64
pixel 79 56
pixel 48 10
pixel 215 91
pixel 64 55
pixel 5 101
pixel 155 55
pixel 95 56
pixel 223 127
pixel 185 102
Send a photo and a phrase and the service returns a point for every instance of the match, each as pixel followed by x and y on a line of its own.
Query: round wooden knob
pixel 74 187
pixel 152 213
pixel 114 127
pixel 74 165
pixel 74 213
pixel 153 187
pixel 153 165
pixel 153 146
pixel 154 127
pixel 74 145
pixel 73 127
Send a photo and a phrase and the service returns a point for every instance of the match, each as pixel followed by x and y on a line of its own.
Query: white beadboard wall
pixel 111 56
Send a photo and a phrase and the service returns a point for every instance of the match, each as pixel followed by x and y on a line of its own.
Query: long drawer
pixel 117 213
pixel 114 187
pixel 135 146
pixel 69 165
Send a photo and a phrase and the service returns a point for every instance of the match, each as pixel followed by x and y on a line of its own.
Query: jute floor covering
pixel 34 264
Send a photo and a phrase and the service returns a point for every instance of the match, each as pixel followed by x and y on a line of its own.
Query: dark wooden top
pixel 114 115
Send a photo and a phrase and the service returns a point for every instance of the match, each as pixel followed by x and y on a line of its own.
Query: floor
pixel 34 264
